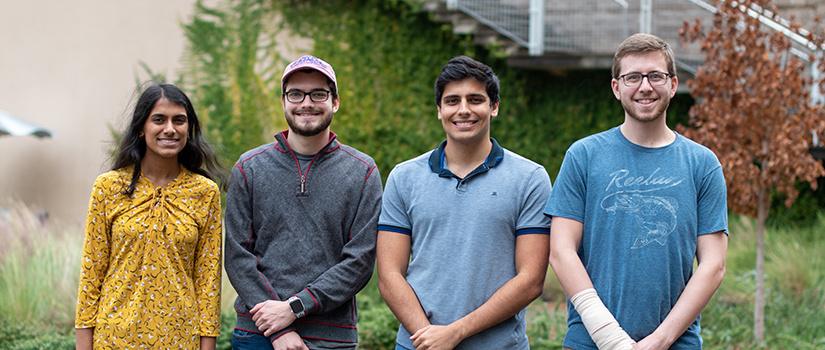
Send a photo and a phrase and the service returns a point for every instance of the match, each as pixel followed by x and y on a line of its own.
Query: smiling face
pixel 465 111
pixel 644 103
pixel 166 130
pixel 308 118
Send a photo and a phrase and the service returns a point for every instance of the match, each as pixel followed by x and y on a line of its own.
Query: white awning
pixel 10 125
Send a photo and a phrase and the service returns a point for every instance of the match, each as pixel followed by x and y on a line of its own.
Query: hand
pixel 650 343
pixel 289 341
pixel 271 316
pixel 435 338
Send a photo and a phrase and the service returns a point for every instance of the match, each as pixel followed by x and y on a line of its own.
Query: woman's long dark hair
pixel 197 155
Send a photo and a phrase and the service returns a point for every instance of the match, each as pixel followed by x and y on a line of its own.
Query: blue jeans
pixel 399 347
pixel 243 340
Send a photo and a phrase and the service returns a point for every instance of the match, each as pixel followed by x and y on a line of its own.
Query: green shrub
pixel 377 326
pixel 47 342
pixel 546 324
pixel 17 335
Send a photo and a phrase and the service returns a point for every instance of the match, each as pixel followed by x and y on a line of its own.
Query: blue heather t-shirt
pixel 463 235
pixel 642 210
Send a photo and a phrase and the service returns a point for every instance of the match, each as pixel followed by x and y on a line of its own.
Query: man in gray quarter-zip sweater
pixel 301 224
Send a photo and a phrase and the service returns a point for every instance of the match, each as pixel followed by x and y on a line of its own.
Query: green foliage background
pixel 387 55
pixel 231 73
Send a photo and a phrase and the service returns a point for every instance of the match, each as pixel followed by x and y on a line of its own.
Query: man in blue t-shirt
pixel 631 208
pixel 462 240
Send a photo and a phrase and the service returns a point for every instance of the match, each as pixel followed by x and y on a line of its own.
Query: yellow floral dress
pixel 150 276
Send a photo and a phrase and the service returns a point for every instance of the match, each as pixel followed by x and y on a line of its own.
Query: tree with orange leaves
pixel 754 110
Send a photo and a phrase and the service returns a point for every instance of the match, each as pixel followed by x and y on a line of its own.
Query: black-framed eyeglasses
pixel 654 78
pixel 298 96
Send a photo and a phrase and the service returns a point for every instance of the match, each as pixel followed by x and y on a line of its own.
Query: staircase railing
pixel 596 27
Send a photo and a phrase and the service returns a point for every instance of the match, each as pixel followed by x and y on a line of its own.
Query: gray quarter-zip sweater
pixel 310 234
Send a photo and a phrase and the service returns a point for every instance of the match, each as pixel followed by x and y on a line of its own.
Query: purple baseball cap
pixel 309 62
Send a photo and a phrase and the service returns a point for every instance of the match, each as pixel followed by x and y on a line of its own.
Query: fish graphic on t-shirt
pixel 656 215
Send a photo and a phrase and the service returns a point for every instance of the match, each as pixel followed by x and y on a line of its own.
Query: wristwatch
pixel 296 306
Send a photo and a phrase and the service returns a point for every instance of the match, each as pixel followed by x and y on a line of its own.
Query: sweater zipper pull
pixel 303 184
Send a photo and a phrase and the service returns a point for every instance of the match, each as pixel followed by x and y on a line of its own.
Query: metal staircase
pixel 578 34
pixel 564 34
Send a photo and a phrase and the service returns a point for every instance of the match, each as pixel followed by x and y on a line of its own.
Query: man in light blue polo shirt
pixel 462 241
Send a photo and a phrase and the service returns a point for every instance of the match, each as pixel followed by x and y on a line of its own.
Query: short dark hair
pixel 195 155
pixel 463 67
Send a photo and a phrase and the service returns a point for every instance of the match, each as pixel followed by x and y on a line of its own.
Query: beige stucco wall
pixel 71 66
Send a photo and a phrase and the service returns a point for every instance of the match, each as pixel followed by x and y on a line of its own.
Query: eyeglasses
pixel 654 78
pixel 298 96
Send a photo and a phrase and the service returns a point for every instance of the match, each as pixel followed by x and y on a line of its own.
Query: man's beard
pixel 309 130
pixel 658 112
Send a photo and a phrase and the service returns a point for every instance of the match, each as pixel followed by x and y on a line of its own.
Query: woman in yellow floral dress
pixel 151 271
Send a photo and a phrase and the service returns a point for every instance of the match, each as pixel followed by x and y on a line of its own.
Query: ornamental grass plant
pixel 39 268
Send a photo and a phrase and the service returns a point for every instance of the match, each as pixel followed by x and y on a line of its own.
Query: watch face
pixel 296 306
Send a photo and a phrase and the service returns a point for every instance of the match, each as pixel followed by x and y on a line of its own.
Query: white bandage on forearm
pixel 599 322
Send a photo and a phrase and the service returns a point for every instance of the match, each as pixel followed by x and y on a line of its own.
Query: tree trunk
pixel 759 302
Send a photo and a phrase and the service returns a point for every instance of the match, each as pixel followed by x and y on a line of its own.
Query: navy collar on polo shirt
pixel 437 163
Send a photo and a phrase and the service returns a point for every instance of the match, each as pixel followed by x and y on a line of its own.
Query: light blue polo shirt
pixel 463 234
